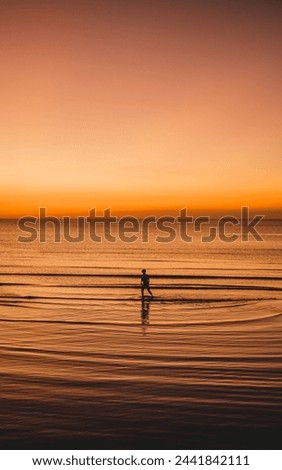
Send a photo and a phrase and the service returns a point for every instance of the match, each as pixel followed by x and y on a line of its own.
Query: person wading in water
pixel 145 283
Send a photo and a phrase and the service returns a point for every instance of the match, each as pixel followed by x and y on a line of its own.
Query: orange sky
pixel 140 105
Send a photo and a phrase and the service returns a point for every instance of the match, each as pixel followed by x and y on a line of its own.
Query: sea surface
pixel 86 363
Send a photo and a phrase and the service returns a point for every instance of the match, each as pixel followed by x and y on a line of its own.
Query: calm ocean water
pixel 85 363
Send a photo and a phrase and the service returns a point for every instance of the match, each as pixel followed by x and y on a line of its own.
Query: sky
pixel 140 105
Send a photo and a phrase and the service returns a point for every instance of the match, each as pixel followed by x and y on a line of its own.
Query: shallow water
pixel 85 363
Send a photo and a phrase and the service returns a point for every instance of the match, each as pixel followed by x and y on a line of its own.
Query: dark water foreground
pixel 133 375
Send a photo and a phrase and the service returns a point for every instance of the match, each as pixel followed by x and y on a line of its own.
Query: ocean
pixel 86 363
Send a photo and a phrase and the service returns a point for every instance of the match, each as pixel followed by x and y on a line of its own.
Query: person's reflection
pixel 145 313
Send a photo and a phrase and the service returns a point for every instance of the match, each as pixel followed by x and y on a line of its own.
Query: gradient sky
pixel 140 105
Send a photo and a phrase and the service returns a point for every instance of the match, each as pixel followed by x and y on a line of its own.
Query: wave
pixel 157 324
pixel 137 276
pixel 157 287
pixel 151 357
pixel 155 299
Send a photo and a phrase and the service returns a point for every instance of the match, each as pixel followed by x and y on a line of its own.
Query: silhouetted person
pixel 145 283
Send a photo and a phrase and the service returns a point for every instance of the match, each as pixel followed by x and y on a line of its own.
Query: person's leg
pixel 142 291
pixel 150 292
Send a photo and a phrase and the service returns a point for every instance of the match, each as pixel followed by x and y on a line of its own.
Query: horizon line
pixel 269 213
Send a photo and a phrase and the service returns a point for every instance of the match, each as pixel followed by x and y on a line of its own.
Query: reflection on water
pixel 145 314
